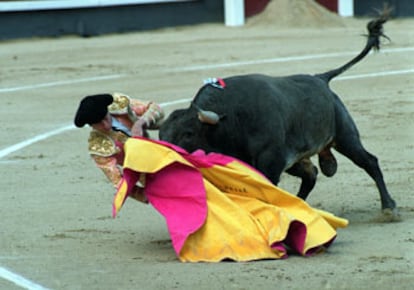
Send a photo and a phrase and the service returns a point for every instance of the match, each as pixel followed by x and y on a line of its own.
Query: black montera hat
pixel 92 109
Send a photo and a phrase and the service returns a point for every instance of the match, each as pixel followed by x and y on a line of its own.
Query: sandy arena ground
pixel 56 226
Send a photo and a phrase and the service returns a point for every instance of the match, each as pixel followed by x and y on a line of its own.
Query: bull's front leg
pixel 270 165
pixel 307 172
pixel 273 166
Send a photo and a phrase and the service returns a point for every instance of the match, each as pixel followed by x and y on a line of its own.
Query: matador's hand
pixel 138 128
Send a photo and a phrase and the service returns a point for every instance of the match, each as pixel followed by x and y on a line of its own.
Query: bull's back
pixel 295 112
pixel 291 99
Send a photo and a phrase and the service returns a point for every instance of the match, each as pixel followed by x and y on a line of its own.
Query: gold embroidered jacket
pixel 106 149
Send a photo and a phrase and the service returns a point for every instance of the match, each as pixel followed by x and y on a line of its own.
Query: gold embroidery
pixel 101 144
pixel 118 136
pixel 120 104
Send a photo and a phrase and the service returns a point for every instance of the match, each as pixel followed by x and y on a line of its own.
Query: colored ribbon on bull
pixel 215 82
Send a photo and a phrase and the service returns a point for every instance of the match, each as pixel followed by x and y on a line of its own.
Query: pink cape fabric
pixel 175 187
pixel 185 205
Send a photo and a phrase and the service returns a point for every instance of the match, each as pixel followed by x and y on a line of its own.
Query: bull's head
pixel 188 128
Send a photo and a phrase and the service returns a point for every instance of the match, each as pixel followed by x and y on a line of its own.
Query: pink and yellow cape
pixel 217 207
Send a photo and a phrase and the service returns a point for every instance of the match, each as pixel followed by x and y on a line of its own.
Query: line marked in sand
pixel 6 151
pixel 60 83
pixel 19 280
pixel 16 147
pixel 283 59
pixel 37 138
pixel 377 74
pixel 201 67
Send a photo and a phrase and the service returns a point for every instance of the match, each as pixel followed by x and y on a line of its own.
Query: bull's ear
pixel 208 117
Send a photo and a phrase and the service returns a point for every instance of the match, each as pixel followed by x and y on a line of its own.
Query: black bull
pixel 277 123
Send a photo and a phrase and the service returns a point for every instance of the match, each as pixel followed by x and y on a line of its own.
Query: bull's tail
pixel 375 30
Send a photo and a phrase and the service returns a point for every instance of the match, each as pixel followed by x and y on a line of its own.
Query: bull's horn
pixel 208 117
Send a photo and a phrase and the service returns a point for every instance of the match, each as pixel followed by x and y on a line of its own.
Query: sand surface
pixel 56 226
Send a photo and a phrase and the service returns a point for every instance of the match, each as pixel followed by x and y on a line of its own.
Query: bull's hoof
pixel 390 215
pixel 328 166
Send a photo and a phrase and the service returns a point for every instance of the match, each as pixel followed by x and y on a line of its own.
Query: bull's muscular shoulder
pixel 101 144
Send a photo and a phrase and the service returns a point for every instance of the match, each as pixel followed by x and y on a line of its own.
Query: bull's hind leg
pixel 353 149
pixel 308 173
